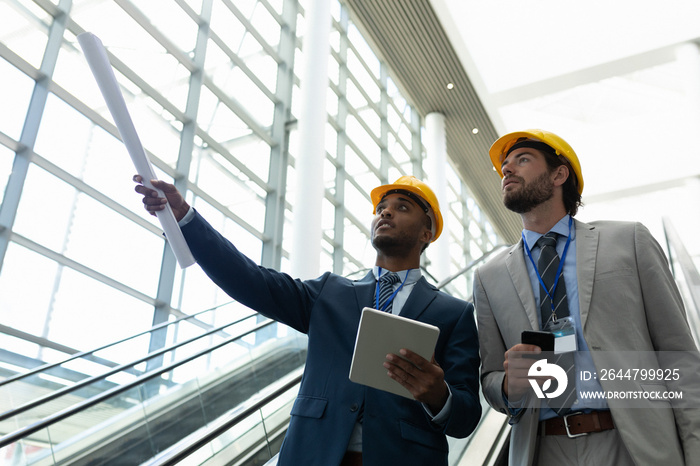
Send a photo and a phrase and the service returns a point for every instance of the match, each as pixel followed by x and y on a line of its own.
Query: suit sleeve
pixel 273 294
pixel 460 363
pixel 492 349
pixel 668 327
pixel 663 304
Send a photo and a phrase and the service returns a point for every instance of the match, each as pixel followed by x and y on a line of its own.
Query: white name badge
pixel 564 344
pixel 564 335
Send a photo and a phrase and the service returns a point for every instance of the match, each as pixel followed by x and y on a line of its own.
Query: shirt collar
pixel 413 275
pixel 561 227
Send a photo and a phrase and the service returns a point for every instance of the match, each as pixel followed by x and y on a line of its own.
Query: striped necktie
pixel 386 289
pixel 547 265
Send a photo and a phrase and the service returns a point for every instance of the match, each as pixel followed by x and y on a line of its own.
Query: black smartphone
pixel 545 340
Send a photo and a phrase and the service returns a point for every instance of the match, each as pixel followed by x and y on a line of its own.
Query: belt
pixel 352 458
pixel 578 424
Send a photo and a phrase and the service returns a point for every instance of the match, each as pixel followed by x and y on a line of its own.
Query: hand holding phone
pixel 545 340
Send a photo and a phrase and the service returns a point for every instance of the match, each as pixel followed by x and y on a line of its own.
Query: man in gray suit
pixel 616 294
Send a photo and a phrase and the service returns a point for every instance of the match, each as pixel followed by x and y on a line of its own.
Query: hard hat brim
pixel 500 147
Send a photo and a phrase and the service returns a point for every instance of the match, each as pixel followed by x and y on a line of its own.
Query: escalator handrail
pixel 58 393
pixel 81 354
pixel 471 265
pixel 83 405
pixel 179 454
pixel 69 389
pixel 689 271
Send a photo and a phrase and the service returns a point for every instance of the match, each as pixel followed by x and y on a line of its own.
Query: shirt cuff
pixel 441 417
pixel 513 409
pixel 187 218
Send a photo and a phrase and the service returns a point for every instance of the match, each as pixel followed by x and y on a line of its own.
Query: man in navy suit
pixel 335 421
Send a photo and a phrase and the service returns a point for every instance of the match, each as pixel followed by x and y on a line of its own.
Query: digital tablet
pixel 381 333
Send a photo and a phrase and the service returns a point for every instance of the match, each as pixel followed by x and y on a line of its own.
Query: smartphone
pixel 545 340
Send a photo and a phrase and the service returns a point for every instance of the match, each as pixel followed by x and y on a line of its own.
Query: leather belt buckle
pixel 577 423
pixel 566 425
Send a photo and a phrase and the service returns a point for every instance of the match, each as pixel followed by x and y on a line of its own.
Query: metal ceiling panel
pixel 407 35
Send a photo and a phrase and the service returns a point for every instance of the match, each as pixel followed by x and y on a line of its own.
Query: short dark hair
pixel 571 196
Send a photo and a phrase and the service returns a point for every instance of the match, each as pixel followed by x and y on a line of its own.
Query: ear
pixel 427 236
pixel 561 174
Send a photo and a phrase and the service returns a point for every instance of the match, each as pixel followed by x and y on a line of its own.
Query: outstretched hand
pixel 153 203
pixel 424 379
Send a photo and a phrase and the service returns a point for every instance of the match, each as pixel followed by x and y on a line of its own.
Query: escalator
pixel 84 412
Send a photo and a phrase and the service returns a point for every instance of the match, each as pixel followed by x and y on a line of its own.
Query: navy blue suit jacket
pixel 396 430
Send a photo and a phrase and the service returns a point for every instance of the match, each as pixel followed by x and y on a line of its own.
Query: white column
pixel 305 253
pixel 436 151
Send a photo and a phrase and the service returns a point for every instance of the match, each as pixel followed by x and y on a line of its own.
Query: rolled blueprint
pixel 104 75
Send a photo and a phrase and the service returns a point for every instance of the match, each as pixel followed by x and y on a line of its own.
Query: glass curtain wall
pixel 211 86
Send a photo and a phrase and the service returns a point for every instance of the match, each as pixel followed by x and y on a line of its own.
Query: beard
pixel 529 195
pixel 393 246
pixel 390 246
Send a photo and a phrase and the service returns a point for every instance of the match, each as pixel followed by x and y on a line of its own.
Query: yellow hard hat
pixel 412 185
pixel 500 148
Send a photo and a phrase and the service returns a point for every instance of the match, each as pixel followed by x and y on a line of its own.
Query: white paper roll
pixel 104 75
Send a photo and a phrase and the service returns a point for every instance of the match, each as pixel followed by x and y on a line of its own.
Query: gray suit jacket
pixel 628 302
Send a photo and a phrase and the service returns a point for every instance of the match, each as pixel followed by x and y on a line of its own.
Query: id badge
pixel 564 334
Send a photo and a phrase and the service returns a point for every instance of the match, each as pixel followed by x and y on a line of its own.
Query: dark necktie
pixel 386 289
pixel 547 265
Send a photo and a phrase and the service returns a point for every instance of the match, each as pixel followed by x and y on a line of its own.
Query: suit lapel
pixel 586 250
pixel 364 291
pixel 419 299
pixel 515 263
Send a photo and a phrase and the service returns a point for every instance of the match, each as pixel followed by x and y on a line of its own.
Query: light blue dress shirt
pixel 582 358
pixel 408 278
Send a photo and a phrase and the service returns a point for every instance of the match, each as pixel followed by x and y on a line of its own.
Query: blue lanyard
pixel 391 298
pixel 561 265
